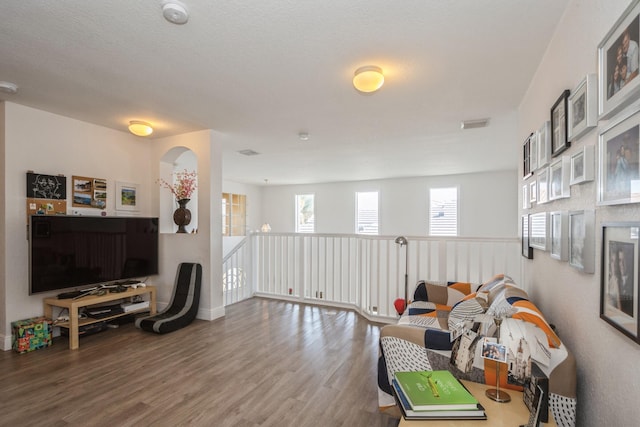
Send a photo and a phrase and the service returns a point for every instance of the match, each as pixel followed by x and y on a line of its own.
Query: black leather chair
pixel 184 303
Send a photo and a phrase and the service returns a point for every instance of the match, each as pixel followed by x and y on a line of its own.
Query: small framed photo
pixel 582 165
pixel 619 171
pixel 619 281
pixel 526 203
pixel 559 135
pixel 544 144
pixel 582 240
pixel 618 63
pixel 559 174
pixel 543 185
pixel 533 191
pixel 494 351
pixel 533 138
pixel 558 235
pixel 526 158
pixel 127 197
pixel 538 230
pixel 527 250
pixel 583 107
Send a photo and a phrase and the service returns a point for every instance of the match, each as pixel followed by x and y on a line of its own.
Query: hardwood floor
pixel 266 363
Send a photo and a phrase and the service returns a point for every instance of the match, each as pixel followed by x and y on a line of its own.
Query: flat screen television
pixel 73 251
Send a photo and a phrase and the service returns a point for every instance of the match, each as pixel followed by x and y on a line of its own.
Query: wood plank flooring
pixel 266 363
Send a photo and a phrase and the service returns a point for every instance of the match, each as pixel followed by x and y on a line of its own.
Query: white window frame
pixel 435 211
pixel 358 212
pixel 307 228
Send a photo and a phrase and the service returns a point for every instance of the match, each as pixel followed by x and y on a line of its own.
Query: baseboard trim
pixel 210 314
pixel 6 342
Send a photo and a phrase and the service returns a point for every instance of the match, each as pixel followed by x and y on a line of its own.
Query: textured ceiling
pixel 259 72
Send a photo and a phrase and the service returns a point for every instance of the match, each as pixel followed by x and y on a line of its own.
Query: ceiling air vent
pixel 248 152
pixel 472 124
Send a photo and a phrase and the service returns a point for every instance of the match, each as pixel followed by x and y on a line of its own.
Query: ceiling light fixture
pixel 304 136
pixel 175 12
pixel 368 79
pixel 140 128
pixel 8 87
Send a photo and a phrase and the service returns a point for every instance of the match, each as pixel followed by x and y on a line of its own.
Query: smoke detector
pixel 175 12
pixel 8 87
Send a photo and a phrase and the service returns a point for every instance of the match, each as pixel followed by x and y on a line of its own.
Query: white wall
pixel 487 204
pixel 608 378
pixel 52 144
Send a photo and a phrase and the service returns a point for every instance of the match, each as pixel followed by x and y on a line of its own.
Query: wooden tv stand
pixel 73 306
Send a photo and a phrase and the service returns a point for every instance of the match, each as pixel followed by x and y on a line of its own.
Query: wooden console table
pixel 511 414
pixel 73 306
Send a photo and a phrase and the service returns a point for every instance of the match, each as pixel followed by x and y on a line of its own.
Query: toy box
pixel 31 334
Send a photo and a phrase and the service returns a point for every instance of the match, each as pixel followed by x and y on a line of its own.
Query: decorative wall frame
pixel 526 203
pixel 619 168
pixel 559 174
pixel 583 107
pixel 582 240
pixel 582 165
pixel 526 158
pixel 559 135
pixel 616 92
pixel 544 144
pixel 559 235
pixel 533 191
pixel 619 293
pixel 538 230
pixel 89 192
pixel 127 196
pixel 543 185
pixel 533 141
pixel 527 250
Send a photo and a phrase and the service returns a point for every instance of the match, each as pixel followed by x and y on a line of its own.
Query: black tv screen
pixel 74 251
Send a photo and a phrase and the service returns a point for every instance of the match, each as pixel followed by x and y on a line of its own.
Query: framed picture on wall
pixel 533 191
pixel 527 250
pixel 543 185
pixel 582 240
pixel 538 230
pixel 618 65
pixel 533 141
pixel 559 178
pixel 583 107
pixel 582 165
pixel 127 197
pixel 526 158
pixel 559 135
pixel 619 294
pixel 544 144
pixel 526 203
pixel 558 235
pixel 619 171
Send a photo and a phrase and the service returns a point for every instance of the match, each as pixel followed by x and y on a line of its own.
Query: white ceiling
pixel 261 71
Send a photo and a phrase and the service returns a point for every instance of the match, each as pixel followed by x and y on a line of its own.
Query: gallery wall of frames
pixel 607 102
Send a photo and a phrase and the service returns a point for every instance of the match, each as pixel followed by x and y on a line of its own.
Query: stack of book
pixel 435 395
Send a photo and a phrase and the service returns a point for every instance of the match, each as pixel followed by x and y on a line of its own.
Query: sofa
pixel 422 340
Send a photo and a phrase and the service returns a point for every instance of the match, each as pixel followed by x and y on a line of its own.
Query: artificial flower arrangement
pixel 185 184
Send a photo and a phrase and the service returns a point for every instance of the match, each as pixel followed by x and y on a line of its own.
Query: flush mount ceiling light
pixel 304 136
pixel 175 12
pixel 368 79
pixel 8 87
pixel 140 128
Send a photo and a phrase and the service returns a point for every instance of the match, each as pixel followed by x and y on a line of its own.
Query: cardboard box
pixel 31 334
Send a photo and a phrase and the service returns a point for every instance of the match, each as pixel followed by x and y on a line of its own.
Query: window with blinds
pixel 234 214
pixel 367 212
pixel 305 216
pixel 443 211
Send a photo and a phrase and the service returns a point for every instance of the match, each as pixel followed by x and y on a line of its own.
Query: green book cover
pixel 435 391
